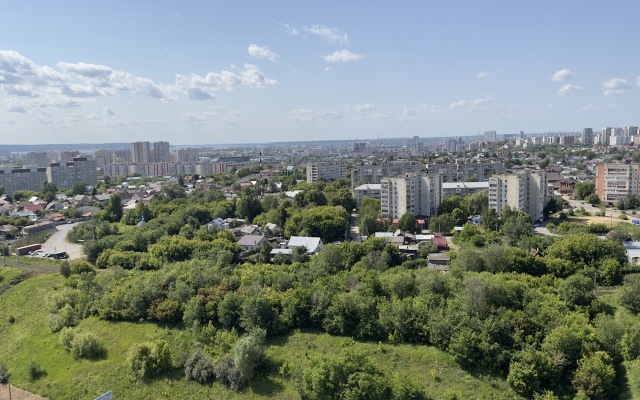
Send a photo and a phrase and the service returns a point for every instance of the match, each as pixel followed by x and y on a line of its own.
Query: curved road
pixel 58 242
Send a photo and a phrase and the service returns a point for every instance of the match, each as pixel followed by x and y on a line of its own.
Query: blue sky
pixel 212 72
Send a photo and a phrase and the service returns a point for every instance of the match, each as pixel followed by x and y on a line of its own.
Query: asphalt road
pixel 57 243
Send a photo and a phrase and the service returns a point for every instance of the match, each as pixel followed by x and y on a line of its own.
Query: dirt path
pixel 18 394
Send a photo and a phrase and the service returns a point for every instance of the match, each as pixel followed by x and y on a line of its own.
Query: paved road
pixel 57 243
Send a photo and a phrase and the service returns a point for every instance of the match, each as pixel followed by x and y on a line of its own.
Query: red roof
pixel 34 207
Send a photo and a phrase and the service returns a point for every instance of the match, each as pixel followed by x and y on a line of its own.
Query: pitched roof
pixel 250 240
pixel 311 243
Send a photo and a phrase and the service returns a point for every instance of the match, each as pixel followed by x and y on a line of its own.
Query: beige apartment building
pixel 523 190
pixel 417 193
pixel 616 180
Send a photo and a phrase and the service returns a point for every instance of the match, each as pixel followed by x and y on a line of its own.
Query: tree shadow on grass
pixel 266 386
pixel 622 382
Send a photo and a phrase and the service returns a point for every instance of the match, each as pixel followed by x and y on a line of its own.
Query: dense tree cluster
pixel 514 305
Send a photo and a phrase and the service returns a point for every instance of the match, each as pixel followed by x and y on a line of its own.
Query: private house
pixel 251 242
pixel 312 244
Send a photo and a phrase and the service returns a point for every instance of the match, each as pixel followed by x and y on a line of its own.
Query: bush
pixel 65 337
pixel 86 345
pixel 198 367
pixel 147 360
pixel 34 370
pixel 249 352
pixel 65 317
pixel 228 374
pixel 65 269
pixel 623 217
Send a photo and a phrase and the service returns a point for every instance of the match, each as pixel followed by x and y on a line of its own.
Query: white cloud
pixel 484 74
pixel 331 116
pixel 638 81
pixel 42 86
pixel 471 103
pixel 195 119
pixel 108 111
pixel 262 52
pixel 616 86
pixel 568 88
pixel 302 114
pixel 205 87
pixel 290 30
pixel 361 108
pixel 590 107
pixel 342 56
pixel 561 75
pixel 332 35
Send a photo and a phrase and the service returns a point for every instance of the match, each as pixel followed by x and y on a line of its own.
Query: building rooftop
pixel 465 185
pixel 369 186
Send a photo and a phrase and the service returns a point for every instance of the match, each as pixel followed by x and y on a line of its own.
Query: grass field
pixel 29 339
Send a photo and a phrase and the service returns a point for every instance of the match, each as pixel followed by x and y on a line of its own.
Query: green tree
pixel 459 217
pixel 248 207
pixel 583 189
pixel 249 352
pixel 79 188
pixel 327 222
pixel 595 376
pixel 516 227
pixel 48 191
pixel 441 223
pixel 577 290
pixel 593 199
pixel 350 376
pixel 630 293
pixel 451 203
pixel 408 223
pixel 113 210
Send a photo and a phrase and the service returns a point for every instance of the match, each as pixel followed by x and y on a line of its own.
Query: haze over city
pixel 230 72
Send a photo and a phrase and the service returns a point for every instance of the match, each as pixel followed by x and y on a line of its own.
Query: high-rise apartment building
pixel 523 190
pixel 631 131
pixel 140 152
pixel 417 193
pixel 461 171
pixel 373 174
pixel 102 157
pixel 161 152
pixel 120 156
pixel 415 144
pixel 187 155
pixel 587 136
pixel 14 179
pixel 616 180
pixel 65 175
pixel 490 136
pixel 36 159
pixel 326 170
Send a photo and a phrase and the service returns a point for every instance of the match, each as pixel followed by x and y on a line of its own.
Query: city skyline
pixel 199 73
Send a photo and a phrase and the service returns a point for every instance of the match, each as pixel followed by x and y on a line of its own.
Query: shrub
pixel 147 360
pixel 249 352
pixel 12 319
pixel 34 370
pixel 198 367
pixel 228 374
pixel 81 267
pixel 86 345
pixel 65 317
pixel 66 337
pixel 623 217
pixel 65 269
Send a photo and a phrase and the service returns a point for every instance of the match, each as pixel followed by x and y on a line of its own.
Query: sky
pixel 219 72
